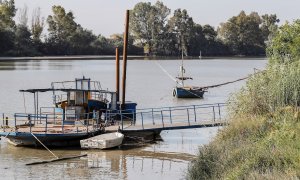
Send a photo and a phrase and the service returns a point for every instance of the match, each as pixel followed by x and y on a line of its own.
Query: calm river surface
pixel 148 85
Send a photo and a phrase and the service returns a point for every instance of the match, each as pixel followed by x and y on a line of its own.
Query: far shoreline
pixel 112 57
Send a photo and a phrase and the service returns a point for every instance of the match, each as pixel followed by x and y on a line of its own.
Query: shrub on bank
pixel 262 140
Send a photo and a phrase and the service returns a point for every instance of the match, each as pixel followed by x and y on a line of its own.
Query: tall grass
pixel 263 138
pixel 278 86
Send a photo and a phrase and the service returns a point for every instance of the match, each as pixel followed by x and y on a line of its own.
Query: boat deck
pixel 52 129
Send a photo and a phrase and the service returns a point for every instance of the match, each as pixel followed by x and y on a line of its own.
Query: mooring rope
pixel 166 72
pixel 44 145
pixel 222 84
pixel 7 135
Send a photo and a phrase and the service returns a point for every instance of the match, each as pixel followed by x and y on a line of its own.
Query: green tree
pixel 181 25
pixel 243 35
pixel 37 27
pixel 7 26
pixel 23 45
pixel 198 41
pixel 61 29
pixel 147 24
pixel 205 39
pixel 117 41
pixel 23 42
pixel 104 46
pixel 284 48
pixel 269 26
pixel 7 13
pixel 81 42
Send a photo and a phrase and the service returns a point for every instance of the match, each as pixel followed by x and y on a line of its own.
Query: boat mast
pixel 182 69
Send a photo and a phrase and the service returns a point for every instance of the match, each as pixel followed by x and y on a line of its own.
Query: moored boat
pixel 188 92
pixel 182 91
pixel 76 114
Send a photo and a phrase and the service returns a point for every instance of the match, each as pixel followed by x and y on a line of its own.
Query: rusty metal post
pixel 125 59
pixel 117 75
pixel 6 121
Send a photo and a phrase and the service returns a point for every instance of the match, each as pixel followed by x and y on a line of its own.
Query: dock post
pixel 117 75
pixel 93 125
pixel 214 115
pixel 125 59
pixel 195 113
pixel 40 115
pixel 153 117
pixel 29 118
pixel 188 115
pixel 162 118
pixel 3 123
pixel 34 101
pixel 170 115
pixel 62 127
pixel 121 119
pixel 46 123
pixel 219 111
pixel 54 115
pixel 142 120
pixel 87 124
pixel 6 119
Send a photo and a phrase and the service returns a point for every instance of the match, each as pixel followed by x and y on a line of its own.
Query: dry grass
pixel 263 138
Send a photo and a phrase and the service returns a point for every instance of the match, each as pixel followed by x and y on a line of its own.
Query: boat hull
pixel 103 141
pixel 51 140
pixel 182 92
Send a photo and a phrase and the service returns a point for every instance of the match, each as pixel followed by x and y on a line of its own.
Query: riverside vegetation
pixel 153 31
pixel 262 139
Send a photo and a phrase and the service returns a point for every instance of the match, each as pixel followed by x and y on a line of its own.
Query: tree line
pixel 153 31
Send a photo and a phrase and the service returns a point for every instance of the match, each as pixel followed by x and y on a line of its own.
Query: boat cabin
pixel 76 100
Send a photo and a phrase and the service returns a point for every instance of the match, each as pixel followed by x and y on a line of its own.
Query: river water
pixel 149 84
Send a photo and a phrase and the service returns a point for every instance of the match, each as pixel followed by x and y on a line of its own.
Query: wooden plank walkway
pixel 173 126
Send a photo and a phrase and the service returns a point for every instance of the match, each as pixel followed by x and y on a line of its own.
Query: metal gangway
pixel 170 118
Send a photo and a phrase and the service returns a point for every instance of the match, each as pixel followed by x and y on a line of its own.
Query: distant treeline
pixel 152 32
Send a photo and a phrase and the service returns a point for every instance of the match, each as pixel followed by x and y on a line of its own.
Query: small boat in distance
pixel 200 56
pixel 182 91
pixel 103 141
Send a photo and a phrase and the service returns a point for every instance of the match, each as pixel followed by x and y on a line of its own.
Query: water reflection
pixel 147 85
pixel 35 65
pixel 127 163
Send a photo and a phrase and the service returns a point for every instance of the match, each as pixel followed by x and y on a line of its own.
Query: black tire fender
pixel 174 92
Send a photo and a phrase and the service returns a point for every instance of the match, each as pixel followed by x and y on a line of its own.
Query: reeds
pixel 263 138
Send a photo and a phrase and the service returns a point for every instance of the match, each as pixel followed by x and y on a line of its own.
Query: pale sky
pixel 106 17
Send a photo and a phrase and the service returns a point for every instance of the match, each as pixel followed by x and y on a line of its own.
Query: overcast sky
pixel 106 17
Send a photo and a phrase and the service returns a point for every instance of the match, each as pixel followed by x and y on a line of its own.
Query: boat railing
pixel 93 85
pixel 93 95
pixel 185 115
pixel 98 96
pixel 51 123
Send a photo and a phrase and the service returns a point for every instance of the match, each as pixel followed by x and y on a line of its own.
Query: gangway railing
pixel 169 117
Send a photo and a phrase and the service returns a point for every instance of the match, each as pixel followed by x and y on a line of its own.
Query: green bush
pixel 262 139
